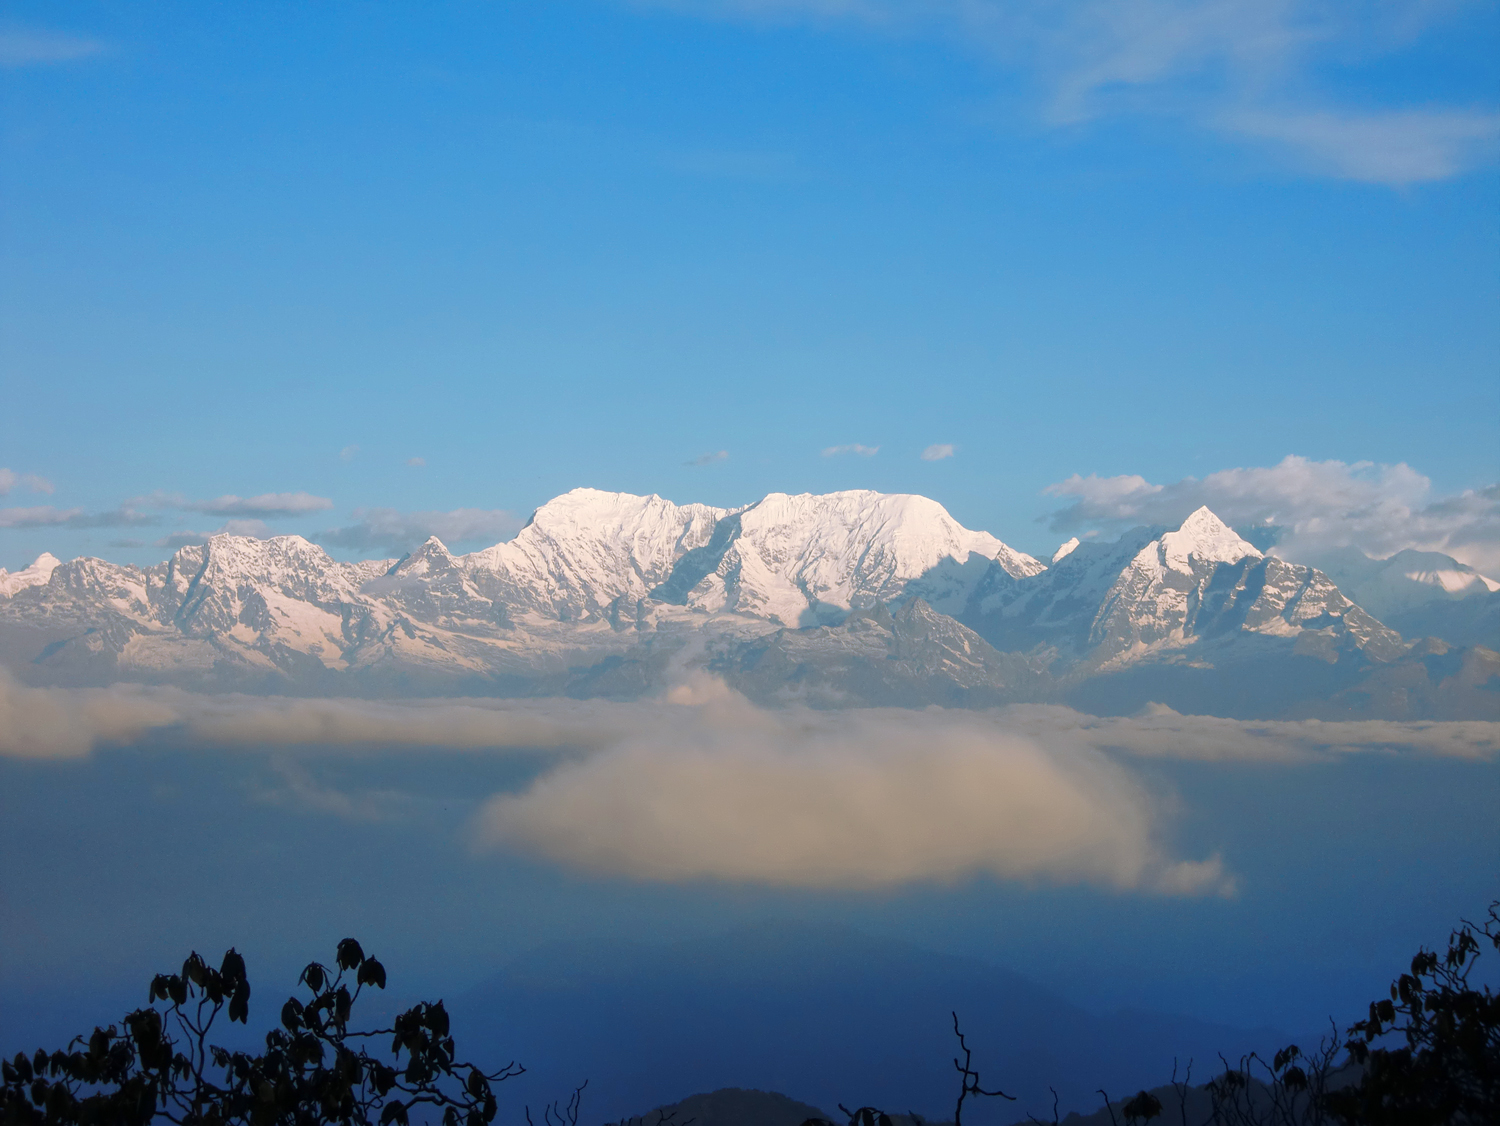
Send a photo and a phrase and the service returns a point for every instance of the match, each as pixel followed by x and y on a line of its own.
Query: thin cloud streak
pixel 47 516
pixel 387 530
pixel 1240 68
pixel 708 459
pixel 938 452
pixel 255 529
pixel 44 48
pixel 1401 148
pixel 852 448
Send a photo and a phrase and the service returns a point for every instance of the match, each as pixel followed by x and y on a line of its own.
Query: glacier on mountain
pixel 846 597
pixel 35 575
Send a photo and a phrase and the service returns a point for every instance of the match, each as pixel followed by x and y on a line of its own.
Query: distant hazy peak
pixel 35 575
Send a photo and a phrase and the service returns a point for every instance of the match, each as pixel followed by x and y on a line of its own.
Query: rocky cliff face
pixel 853 597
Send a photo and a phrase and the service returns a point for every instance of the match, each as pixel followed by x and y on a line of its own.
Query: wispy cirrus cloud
pixel 708 459
pixel 939 451
pixel 387 530
pixel 1253 70
pixel 852 448
pixel 1313 505
pixel 19 48
pixel 1399 147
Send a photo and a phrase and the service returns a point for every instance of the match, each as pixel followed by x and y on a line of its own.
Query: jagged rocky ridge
pixel 846 599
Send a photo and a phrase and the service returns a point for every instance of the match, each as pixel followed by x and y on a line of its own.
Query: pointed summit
pixel 1065 549
pixel 433 555
pixel 36 575
pixel 1206 538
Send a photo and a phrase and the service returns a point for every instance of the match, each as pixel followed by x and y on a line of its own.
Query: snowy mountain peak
pixel 584 550
pixel 1065 549
pixel 432 556
pixel 599 577
pixel 37 574
pixel 1203 536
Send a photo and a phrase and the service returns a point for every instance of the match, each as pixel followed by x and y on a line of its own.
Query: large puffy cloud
pixel 854 801
pixel 1314 505
pixel 1241 68
pixel 387 530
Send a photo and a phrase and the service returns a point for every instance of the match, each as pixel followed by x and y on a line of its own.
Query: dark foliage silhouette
pixel 1448 1068
pixel 159 1065
pixel 1429 1055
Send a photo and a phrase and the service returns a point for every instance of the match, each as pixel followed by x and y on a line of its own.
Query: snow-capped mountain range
pixel 851 597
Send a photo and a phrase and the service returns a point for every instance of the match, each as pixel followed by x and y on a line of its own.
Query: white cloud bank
pixel 1245 69
pixel 50 723
pixel 1318 505
pixel 703 786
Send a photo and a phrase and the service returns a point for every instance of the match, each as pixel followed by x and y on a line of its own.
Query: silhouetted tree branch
pixel 315 1068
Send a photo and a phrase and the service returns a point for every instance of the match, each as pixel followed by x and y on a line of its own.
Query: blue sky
pixel 269 250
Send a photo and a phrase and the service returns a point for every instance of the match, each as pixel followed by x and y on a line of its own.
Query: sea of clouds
pixel 703 785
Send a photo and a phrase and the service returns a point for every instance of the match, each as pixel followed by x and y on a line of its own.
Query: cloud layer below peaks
pixel 703 786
